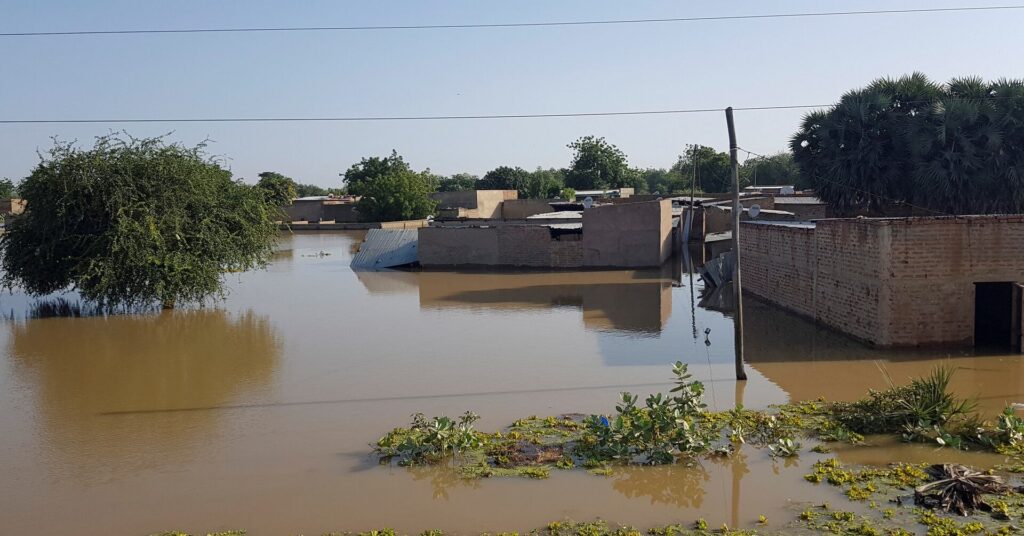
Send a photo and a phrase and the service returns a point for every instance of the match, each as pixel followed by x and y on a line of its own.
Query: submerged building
pixel 615 235
pixel 895 281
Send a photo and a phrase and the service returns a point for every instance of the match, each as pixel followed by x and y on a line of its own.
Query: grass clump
pixel 923 410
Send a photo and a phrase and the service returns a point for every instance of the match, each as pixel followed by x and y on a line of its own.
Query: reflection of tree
pixel 115 391
pixel 442 479
pixel 679 484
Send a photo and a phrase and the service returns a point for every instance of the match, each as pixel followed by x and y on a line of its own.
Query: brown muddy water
pixel 257 413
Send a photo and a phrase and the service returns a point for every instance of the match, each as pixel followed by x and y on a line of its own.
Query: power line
pixel 399 118
pixel 464 117
pixel 514 24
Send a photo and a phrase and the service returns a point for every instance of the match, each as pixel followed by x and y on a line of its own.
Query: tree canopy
pixel 910 142
pixel 714 169
pixel 134 222
pixel 278 189
pixel 390 189
pixel 776 169
pixel 7 188
pixel 457 183
pixel 309 190
pixel 373 167
pixel 597 164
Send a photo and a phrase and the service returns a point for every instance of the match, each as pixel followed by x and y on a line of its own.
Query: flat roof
pixel 782 223
pixel 559 215
pixel 798 201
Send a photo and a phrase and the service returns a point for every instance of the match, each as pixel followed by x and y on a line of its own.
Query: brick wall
pixel 779 264
pixel 892 282
pixel 506 245
pixel 935 263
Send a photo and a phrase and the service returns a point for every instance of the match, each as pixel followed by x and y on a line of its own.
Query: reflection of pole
pixel 693 306
pixel 737 473
pixel 737 284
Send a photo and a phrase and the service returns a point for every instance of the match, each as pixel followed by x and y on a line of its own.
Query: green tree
pixel 309 190
pixel 373 167
pixel 543 184
pixel 714 169
pixel 7 188
pixel 777 169
pixel 597 164
pixel 947 148
pixel 396 195
pixel 134 222
pixel 504 178
pixel 278 189
pixel 457 183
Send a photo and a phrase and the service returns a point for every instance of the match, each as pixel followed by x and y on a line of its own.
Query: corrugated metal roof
pixel 387 248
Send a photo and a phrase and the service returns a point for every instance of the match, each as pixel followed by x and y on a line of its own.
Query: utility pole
pixel 737 211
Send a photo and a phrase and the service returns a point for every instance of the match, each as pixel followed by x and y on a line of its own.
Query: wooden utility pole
pixel 737 284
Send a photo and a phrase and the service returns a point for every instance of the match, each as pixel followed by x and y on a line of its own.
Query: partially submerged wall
pixel 508 245
pixel 935 264
pixel 831 273
pixel 891 282
pixel 632 234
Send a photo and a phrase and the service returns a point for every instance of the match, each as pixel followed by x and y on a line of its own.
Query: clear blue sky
pixel 470 71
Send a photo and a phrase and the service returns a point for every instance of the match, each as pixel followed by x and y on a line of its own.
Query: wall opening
pixel 997 316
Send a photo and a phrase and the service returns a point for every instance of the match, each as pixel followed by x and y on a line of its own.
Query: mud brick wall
pixel 935 263
pixel 531 246
pixel 779 265
pixel 891 282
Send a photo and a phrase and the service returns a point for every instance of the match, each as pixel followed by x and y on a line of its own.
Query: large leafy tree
pixel 910 142
pixel 504 178
pixel 278 189
pixel 543 184
pixel 776 169
pixel 390 190
pixel 597 164
pixel 396 195
pixel 309 190
pixel 457 183
pixel 372 167
pixel 134 222
pixel 713 169
pixel 7 188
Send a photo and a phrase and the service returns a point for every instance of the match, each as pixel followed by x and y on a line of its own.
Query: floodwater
pixel 256 413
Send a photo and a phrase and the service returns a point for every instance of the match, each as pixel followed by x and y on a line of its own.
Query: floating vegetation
pixel 676 428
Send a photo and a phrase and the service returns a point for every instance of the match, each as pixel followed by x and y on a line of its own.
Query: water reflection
pixel 633 302
pixel 677 485
pixel 81 369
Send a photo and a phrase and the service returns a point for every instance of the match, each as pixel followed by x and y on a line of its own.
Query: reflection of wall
pixel 609 300
pixel 98 380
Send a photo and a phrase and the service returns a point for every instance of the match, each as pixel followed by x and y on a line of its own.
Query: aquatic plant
pixel 430 440
pixel 656 433
pixel 785 448
pixel 923 410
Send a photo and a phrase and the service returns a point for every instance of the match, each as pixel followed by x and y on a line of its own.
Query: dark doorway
pixel 997 316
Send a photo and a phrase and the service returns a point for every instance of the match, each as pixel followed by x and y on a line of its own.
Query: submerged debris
pixel 957 489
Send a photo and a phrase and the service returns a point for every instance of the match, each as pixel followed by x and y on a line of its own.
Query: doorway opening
pixel 997 316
